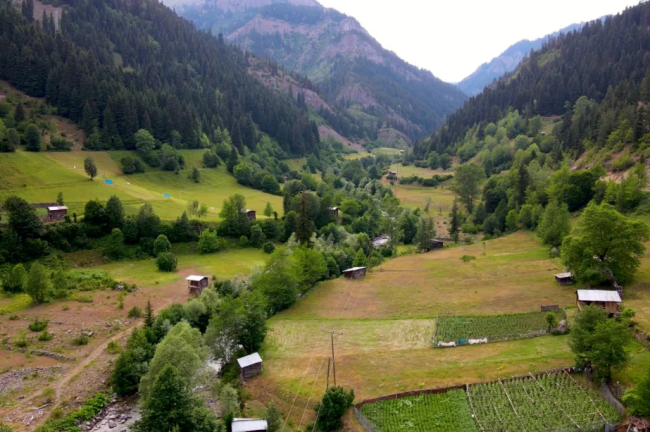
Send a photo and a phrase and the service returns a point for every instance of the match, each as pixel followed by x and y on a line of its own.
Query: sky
pixel 452 38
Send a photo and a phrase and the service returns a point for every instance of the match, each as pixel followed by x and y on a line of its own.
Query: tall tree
pixel 39 286
pixel 23 219
pixel 33 138
pixel 425 233
pixel 90 168
pixel 467 184
pixel 555 224
pixel 304 225
pixel 114 213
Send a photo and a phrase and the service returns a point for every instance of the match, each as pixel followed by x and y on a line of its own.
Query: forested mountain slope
pixel 505 63
pixel 117 66
pixel 596 79
pixel 350 68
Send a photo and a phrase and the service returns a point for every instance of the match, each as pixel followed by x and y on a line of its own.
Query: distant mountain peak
pixel 238 5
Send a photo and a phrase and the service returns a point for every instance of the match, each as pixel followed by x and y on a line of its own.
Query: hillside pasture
pixel 39 177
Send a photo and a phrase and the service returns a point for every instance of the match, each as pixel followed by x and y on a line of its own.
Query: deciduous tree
pixel 467 184
pixel 90 168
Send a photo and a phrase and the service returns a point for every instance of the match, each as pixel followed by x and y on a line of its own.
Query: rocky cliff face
pixel 349 67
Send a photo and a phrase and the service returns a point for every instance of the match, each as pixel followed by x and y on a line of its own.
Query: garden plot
pixel 464 329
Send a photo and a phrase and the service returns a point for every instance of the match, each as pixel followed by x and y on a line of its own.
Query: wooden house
pixel 610 301
pixel 196 284
pixel 355 273
pixel 250 214
pixel 434 245
pixel 56 213
pixel 249 425
pixel 564 279
pixel 250 366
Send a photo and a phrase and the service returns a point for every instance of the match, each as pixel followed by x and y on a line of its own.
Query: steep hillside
pixel 596 80
pixel 118 66
pixel 336 53
pixel 506 62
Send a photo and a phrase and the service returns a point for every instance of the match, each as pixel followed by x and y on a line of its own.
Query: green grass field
pixel 39 177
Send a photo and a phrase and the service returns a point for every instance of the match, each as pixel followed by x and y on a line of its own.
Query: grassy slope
pixel 388 320
pixel 38 177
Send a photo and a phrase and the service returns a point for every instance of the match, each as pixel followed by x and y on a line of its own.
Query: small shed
pixel 197 283
pixel 250 366
pixel 251 214
pixel 392 175
pixel 564 279
pixel 610 301
pixel 334 211
pixel 56 213
pixel 249 425
pixel 355 273
pixel 434 245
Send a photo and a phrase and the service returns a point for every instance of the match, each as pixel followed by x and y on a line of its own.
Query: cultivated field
pixel 39 177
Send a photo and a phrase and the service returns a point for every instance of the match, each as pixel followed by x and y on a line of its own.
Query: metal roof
pixel 353 269
pixel 564 275
pixel 56 208
pixel 599 296
pixel 249 360
pixel 195 278
pixel 248 425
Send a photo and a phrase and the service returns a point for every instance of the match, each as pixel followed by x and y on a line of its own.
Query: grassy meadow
pixel 39 177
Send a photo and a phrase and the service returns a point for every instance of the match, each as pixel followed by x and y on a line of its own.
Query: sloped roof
pixel 249 360
pixel 248 425
pixel 564 275
pixel 599 296
pixel 353 269
pixel 57 208
pixel 195 278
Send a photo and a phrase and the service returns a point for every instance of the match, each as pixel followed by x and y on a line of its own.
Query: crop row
pixel 442 412
pixel 493 327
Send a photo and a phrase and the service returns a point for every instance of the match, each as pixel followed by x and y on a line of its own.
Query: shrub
pixel 81 340
pixel 269 247
pixel 21 340
pixel 243 241
pixel 209 242
pixel 468 258
pixel 45 336
pixel 14 317
pixel 166 262
pixel 81 298
pixel 38 325
pixel 135 312
pixel 113 348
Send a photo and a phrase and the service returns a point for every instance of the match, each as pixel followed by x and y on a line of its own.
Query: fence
pixel 595 427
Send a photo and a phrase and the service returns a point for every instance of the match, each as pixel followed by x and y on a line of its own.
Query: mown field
pixel 39 177
pixel 387 322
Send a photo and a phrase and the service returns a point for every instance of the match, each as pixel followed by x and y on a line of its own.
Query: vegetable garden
pixel 461 328
pixel 553 402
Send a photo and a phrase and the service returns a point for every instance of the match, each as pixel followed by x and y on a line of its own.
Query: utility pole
pixel 332 334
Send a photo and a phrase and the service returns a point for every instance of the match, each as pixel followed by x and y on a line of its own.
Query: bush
pixel 81 340
pixel 38 325
pixel 166 262
pixel 113 348
pixel 269 247
pixel 468 258
pixel 45 336
pixel 209 242
pixel 60 144
pixel 243 241
pixel 21 340
pixel 135 312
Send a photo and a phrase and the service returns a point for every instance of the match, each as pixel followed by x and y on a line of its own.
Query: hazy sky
pixel 452 38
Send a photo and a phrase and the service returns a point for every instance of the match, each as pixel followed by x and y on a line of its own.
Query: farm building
pixel 251 214
pixel 608 300
pixel 250 366
pixel 434 245
pixel 196 284
pixel 392 175
pixel 355 273
pixel 564 279
pixel 56 213
pixel 249 425
pixel 334 211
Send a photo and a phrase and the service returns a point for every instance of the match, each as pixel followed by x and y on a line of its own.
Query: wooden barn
pixel 249 425
pixel 250 214
pixel 250 366
pixel 610 301
pixel 196 284
pixel 564 279
pixel 56 213
pixel 355 273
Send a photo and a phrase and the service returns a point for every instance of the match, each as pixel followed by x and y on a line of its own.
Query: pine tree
pixel 453 224
pixel 304 225
pixel 235 134
pixel 19 113
pixel 522 183
pixel 149 317
pixel 233 160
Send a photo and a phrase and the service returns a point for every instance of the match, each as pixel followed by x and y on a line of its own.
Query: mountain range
pixel 506 62
pixel 396 101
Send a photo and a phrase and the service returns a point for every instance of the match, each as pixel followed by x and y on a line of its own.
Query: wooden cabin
pixel 250 366
pixel 564 279
pixel 434 245
pixel 56 213
pixel 250 214
pixel 196 284
pixel 610 301
pixel 355 273
pixel 392 175
pixel 249 425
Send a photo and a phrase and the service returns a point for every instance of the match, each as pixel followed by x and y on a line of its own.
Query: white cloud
pixel 452 38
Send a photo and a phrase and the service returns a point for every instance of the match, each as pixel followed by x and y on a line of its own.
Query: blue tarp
pixel 108 182
pixel 166 196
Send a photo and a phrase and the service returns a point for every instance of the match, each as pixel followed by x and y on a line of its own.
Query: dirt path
pixel 63 382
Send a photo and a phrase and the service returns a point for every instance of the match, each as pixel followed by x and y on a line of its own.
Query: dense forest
pixel 595 78
pixel 119 66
